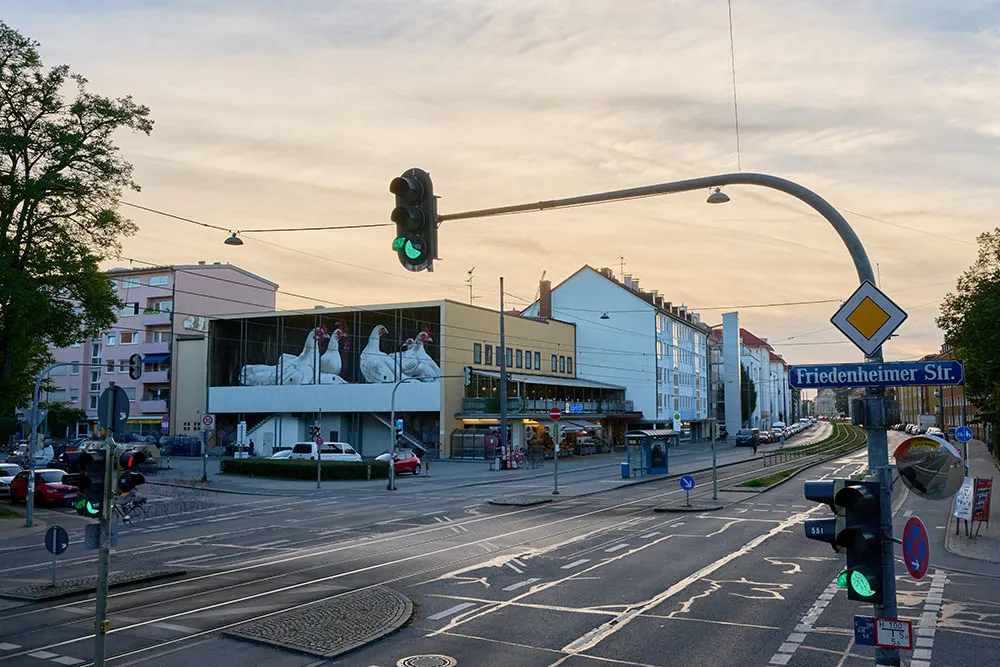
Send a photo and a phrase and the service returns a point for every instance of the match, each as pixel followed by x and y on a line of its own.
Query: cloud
pixel 267 117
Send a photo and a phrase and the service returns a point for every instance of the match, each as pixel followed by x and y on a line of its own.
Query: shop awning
pixel 549 380
pixel 157 358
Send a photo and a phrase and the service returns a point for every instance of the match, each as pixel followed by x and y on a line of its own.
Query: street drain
pixel 427 661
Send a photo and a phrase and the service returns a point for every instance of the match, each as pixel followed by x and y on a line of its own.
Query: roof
pixel 751 340
pixel 776 359
pixel 549 380
pixel 656 433
pixel 187 268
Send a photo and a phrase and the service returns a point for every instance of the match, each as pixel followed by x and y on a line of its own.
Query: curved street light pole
pixel 878 447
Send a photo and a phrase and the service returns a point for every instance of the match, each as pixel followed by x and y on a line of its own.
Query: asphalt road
pixel 600 579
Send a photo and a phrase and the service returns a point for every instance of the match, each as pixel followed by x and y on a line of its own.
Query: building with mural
pixel 436 363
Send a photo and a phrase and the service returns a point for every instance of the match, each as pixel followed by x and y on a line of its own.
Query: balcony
pixel 540 407
pixel 152 407
pixel 154 348
pixel 152 318
pixel 155 377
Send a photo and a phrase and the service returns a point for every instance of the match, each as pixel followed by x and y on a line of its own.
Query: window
pixel 157 393
pixel 130 283
pixel 569 364
pixel 562 364
pixel 74 396
pixel 510 357
pixel 74 369
pixel 111 366
pixel 95 352
pixel 489 354
pixel 555 363
pixel 95 380
pixel 130 308
pixel 499 355
pixel 93 401
pixel 130 392
pixel 128 338
pixel 519 359
pixel 57 396
pixel 123 365
pixel 477 353
pixel 538 361
pixel 161 306
pixel 158 280
pixel 160 336
pixel 112 338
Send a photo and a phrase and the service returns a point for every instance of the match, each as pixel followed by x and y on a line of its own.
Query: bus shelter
pixel 646 452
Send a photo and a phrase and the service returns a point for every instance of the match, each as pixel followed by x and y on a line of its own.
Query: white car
pixel 282 454
pixel 330 451
pixel 7 472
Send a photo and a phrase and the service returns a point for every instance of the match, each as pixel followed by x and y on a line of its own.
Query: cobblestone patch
pixel 695 506
pixel 68 587
pixel 520 501
pixel 333 627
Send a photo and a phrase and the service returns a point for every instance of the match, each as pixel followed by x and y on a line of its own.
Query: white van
pixel 329 451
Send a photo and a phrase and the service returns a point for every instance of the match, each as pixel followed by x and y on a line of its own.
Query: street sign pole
pixel 104 554
pixel 715 475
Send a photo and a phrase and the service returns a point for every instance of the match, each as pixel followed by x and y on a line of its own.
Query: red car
pixel 405 462
pixel 49 488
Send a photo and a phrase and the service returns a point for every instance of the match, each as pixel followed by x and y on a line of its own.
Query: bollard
pixel 369 467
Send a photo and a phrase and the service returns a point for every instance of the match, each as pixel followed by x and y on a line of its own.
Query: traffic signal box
pixel 857 529
pixel 314 431
pixel 128 462
pixel 415 216
pixel 87 474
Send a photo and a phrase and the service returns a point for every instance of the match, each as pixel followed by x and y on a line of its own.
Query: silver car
pixel 7 472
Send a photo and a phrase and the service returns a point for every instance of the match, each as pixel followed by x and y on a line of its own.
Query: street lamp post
pixel 392 427
pixel 878 453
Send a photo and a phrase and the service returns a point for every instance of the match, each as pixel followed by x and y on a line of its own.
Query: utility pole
pixel 104 555
pixel 503 380
pixel 468 282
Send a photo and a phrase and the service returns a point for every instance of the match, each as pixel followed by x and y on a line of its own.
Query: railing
pixel 844 439
pixel 517 405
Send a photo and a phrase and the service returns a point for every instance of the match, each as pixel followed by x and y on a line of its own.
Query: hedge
pixel 288 469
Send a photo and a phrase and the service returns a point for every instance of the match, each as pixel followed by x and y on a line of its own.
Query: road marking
pixel 451 611
pixel 514 567
pixel 649 535
pixel 570 566
pixel 805 626
pixel 192 558
pixel 617 547
pixel 44 655
pixel 454 529
pixel 514 560
pixel 927 624
pixel 67 660
pixel 269 544
pixel 9 647
pixel 679 523
pixel 520 584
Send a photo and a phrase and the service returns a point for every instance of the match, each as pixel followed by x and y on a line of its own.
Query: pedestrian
pixel 754 443
pixel 251 446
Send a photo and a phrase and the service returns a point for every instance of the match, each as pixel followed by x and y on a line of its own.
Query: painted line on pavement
pixel 189 560
pixel 617 547
pixel 923 643
pixel 514 567
pixel 451 611
pixel 575 563
pixel 804 627
pixel 649 535
pixel 520 584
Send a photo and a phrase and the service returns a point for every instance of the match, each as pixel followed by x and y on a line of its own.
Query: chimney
pixel 201 262
pixel 545 299
pixel 696 318
pixel 607 273
pixel 627 280
pixel 635 284
pixel 667 306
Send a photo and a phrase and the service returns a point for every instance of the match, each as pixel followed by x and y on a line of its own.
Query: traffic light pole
pixel 878 454
pixel 104 555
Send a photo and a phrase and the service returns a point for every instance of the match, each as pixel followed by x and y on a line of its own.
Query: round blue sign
pixel 963 434
pixel 916 548
pixel 687 482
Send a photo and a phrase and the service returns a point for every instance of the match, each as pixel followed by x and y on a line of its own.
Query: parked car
pixel 49 488
pixel 405 462
pixel 7 473
pixel 747 437
pixel 282 454
pixel 330 451
pixel 766 437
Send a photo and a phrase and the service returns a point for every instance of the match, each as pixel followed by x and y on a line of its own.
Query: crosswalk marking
pixel 570 566
pixel 451 611
pixel 617 547
pixel 521 584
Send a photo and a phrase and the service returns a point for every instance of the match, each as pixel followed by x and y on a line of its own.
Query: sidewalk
pixel 986 545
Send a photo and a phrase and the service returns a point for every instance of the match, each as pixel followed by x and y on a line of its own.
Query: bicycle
pixel 130 512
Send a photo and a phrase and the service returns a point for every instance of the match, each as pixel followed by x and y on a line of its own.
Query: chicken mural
pixel 311 366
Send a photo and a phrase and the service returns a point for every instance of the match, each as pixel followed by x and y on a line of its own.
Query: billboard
pixel 327 347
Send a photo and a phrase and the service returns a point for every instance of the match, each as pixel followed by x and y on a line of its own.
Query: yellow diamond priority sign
pixel 868 318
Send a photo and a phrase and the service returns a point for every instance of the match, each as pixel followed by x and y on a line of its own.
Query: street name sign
pixel 893 633
pixel 891 374
pixel 868 318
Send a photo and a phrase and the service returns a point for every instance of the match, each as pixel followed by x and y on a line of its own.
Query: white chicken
pixel 401 358
pixel 265 374
pixel 304 368
pixel 330 362
pixel 376 365
pixel 424 368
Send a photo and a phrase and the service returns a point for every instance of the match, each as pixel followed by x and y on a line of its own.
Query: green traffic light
pixel 397 243
pixel 86 508
pixel 860 585
pixel 414 249
pixel 842 579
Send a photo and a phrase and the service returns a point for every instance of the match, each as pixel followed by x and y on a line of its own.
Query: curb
pixel 45 595
pixel 704 507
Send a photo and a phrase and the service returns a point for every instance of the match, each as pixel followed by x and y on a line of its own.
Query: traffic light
pixel 89 478
pixel 415 216
pixel 467 376
pixel 314 431
pixel 825 530
pixel 128 462
pixel 135 366
pixel 862 538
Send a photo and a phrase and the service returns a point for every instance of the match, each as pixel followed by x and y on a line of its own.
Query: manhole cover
pixel 427 661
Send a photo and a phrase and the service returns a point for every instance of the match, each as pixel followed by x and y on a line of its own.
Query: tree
pixel 61 176
pixel 748 395
pixel 969 317
pixel 796 403
pixel 61 417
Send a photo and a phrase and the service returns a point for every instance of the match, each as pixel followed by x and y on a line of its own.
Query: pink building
pixel 162 305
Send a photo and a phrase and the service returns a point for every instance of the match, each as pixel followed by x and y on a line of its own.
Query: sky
pixel 298 114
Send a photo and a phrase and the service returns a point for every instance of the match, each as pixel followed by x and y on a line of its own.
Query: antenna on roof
pixel 472 296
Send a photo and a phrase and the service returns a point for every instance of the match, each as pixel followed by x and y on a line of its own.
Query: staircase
pixel 413 440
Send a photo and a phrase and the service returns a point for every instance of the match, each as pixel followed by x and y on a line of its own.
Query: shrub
pixel 286 469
